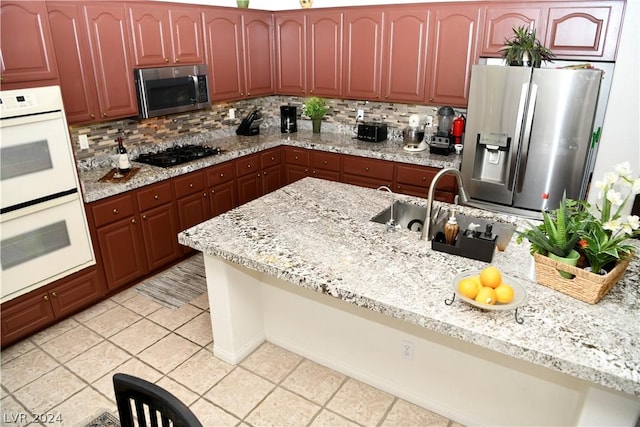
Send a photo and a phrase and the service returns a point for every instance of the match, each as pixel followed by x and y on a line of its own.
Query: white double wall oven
pixel 43 227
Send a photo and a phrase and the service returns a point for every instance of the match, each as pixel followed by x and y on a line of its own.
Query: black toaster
pixel 372 132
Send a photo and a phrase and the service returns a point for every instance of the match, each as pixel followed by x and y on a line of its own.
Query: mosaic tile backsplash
pixel 141 132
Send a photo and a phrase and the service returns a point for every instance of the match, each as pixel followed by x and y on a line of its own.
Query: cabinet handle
pixel 306 170
pixel 313 173
pixel 221 175
pixel 204 195
pixel 249 165
pixel 115 212
pixel 424 178
pixel 177 59
pixel 53 294
pixel 144 217
pixel 105 114
pixel 93 116
pixel 156 197
pixel 273 159
pixel 241 93
pixel 133 220
pixel 324 162
pixel 190 185
pixel 311 91
pixel 248 93
pixel 296 157
pixel 166 59
pixel 46 297
pixel 213 191
pixel 430 99
pixel 366 169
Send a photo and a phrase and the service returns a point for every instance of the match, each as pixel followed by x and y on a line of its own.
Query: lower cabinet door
pixel 122 252
pixel 76 292
pixel 160 231
pixel 222 198
pixel 25 315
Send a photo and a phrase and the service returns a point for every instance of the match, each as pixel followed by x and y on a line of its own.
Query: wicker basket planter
pixel 585 286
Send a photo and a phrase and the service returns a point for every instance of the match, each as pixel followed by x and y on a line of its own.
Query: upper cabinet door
pixel 258 53
pixel 500 21
pixel 186 35
pixel 406 54
pixel 291 47
pixel 588 30
pixel 224 53
pixel 363 53
pixel 151 34
pixel 71 43
pixel 324 53
pixel 453 51
pixel 109 45
pixel 26 47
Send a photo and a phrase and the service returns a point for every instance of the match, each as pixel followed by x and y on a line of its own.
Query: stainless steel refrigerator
pixel 528 136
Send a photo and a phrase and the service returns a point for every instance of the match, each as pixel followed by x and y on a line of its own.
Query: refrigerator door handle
pixel 524 152
pixel 516 137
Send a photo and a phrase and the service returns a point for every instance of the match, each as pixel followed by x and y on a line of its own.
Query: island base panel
pixel 461 381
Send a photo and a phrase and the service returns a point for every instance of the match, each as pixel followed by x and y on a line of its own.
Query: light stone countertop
pixel 237 146
pixel 318 235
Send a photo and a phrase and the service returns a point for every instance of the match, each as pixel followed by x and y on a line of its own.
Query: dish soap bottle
pixel 451 229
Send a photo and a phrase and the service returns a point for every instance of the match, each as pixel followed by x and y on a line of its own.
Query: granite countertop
pixel 236 146
pixel 316 234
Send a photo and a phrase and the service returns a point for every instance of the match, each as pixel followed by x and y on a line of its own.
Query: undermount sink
pixel 411 217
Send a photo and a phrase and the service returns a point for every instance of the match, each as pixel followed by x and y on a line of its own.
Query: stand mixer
pixel 413 135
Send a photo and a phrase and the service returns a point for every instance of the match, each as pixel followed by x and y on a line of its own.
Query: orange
pixel 486 295
pixel 504 293
pixel 468 287
pixel 491 277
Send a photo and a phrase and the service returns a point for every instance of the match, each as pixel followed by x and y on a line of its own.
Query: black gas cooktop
pixel 178 155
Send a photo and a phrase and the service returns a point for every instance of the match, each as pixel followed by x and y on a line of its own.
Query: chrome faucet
pixel 464 199
pixel 391 224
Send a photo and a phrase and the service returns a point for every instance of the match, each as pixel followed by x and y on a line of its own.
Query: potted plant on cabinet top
pixel 602 233
pixel 524 49
pixel 315 108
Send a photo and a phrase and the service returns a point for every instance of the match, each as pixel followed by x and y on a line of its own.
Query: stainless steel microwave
pixel 169 90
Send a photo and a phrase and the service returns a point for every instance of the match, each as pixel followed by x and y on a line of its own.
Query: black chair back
pixel 152 405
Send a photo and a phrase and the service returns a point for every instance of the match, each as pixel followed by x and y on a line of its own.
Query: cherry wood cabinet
pixel 585 30
pixel 500 21
pixel 27 314
pixel 119 240
pixel 258 174
pixel 71 42
pixel 257 28
pixel 367 172
pixel 454 49
pixel 159 225
pixel 362 53
pixel 291 53
pixel 192 201
pixel 415 180
pixel 222 188
pixel 326 165
pixel 224 53
pixel 27 56
pixel 297 164
pixel 405 60
pixel 324 52
pixel 165 34
pixel 110 54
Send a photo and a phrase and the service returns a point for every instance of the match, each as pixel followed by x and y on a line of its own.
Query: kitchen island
pixel 304 268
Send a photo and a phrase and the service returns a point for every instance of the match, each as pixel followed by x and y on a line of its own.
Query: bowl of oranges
pixel 489 289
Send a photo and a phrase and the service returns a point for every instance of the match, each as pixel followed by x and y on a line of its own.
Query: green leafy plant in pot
pixel 524 49
pixel 315 108
pixel 558 234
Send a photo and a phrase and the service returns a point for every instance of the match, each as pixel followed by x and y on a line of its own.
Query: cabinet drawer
pixel 219 174
pixel 112 209
pixel 326 161
pixel 270 158
pixel 189 184
pixel 153 196
pixel 422 176
pixel 248 164
pixel 297 156
pixel 368 167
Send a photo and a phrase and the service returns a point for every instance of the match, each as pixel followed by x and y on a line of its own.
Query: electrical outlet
pixel 360 115
pixel 84 142
pixel 407 350
pixel 232 113
pixel 429 122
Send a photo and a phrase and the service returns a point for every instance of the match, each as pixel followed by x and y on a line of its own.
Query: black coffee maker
pixel 288 119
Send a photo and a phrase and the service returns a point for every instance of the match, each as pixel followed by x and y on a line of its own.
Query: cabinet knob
pixel 166 59
pixel 177 59
pixel 204 195
pixel 430 99
pixel 366 169
pixel 296 157
pixel 156 197
pixel 273 159
pixel 53 294
pixel 248 93
pixel 221 175
pixel 144 217
pixel 313 173
pixel 306 170
pixel 115 212
pixel 105 114
pixel 324 162
pixel 93 116
pixel 190 185
pixel 241 93
pixel 249 165
pixel 311 91
pixel 133 220
pixel 213 191
pixel 45 298
pixel 424 178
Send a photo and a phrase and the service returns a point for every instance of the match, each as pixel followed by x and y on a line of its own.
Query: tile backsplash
pixel 138 132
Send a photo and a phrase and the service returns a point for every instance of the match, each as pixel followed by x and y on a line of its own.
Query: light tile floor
pixel 62 375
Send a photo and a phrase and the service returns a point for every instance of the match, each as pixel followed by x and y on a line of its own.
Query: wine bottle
pixel 123 159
